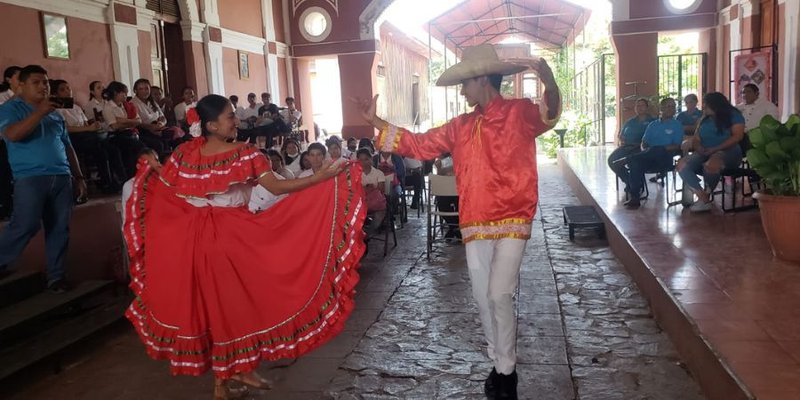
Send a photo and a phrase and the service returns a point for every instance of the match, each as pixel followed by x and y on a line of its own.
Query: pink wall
pixel 145 46
pixel 283 79
pixel 90 48
pixel 241 16
pixel 637 61
pixel 277 14
pixel 233 85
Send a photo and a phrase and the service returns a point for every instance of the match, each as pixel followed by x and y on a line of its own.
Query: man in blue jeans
pixel 43 164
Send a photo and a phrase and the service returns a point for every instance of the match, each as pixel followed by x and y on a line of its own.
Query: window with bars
pixel 165 7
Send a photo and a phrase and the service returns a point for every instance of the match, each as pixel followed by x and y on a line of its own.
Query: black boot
pixel 490 385
pixel 507 386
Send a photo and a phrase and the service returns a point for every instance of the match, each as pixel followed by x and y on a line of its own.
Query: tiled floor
pixel 720 270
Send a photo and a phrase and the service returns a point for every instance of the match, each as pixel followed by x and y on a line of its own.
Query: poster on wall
pixel 753 68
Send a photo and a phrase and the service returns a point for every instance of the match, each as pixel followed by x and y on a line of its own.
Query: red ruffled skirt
pixel 223 289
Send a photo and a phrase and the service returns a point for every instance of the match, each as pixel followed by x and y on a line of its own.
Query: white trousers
pixel 494 271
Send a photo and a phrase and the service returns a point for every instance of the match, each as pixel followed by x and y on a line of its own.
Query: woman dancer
pixel 207 297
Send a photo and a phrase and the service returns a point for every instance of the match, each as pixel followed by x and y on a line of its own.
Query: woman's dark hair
pixel 496 81
pixel 723 110
pixel 302 156
pixel 209 109
pixel 150 101
pixel 317 146
pixel 7 75
pixel 365 151
pixel 366 142
pixel 29 70
pixel 55 84
pixel 113 89
pixel 333 141
pixel 91 89
pixel 283 149
pixel 753 87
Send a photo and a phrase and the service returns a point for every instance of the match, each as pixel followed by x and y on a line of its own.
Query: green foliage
pixel 576 126
pixel 775 155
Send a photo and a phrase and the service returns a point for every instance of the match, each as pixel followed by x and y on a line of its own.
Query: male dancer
pixel 494 157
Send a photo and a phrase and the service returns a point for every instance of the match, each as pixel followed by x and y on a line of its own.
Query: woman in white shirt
pixel 154 124
pixel 93 109
pixel 122 128
pixel 291 156
pixel 374 182
pixel 180 108
pixel 10 83
pixel 89 141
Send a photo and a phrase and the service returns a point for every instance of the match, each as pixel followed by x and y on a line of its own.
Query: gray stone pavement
pixel 584 333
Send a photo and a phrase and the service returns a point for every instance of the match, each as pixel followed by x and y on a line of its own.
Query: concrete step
pixel 41 311
pixel 66 332
pixel 19 286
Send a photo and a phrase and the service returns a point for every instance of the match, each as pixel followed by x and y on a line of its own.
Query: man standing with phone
pixel 44 165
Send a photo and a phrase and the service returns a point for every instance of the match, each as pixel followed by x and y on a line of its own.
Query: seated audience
pixel 269 125
pixel 291 114
pixel 261 198
pixel 165 103
pixel 90 142
pixel 45 168
pixel 661 142
pixel 93 109
pixel 374 188
pixel 754 109
pixel 249 116
pixel 391 164
pixel 10 84
pixel 689 118
pixel 153 130
pixel 305 163
pixel 334 145
pixel 630 138
pixel 352 146
pixel 276 160
pixel 316 156
pixel 189 101
pixel 714 148
pixel 291 156
pixel 366 143
pixel 236 107
pixel 266 99
pixel 122 128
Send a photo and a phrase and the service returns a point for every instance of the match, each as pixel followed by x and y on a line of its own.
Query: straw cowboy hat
pixel 478 61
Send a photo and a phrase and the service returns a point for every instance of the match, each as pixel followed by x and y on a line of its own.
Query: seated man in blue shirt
pixel 692 114
pixel 661 141
pixel 43 164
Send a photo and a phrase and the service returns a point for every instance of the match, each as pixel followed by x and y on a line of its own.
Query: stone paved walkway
pixel 584 333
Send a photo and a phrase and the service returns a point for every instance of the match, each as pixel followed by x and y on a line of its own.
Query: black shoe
pixel 414 206
pixel 59 286
pixel 451 233
pixel 507 386
pixel 632 204
pixel 490 385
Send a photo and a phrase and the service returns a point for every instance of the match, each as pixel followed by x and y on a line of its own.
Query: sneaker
pixel 507 386
pixel 701 206
pixel 490 385
pixel 59 286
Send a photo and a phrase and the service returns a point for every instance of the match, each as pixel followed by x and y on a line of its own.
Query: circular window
pixel 682 6
pixel 316 24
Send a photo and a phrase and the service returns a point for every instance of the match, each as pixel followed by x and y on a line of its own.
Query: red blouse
pixel 494 159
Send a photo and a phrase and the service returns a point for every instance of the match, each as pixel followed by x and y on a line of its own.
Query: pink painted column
pixel 637 61
pixel 358 79
pixel 303 95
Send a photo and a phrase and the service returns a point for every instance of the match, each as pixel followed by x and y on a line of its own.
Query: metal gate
pixel 593 96
pixel 682 74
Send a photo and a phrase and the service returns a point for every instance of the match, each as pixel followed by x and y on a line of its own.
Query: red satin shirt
pixel 494 159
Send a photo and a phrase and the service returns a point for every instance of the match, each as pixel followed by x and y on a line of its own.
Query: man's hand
pixel 368 108
pixel 538 65
pixel 45 107
pixel 81 191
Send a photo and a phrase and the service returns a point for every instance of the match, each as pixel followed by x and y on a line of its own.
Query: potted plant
pixel 775 156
